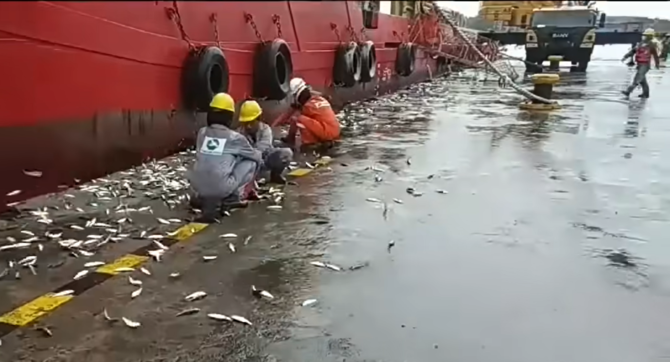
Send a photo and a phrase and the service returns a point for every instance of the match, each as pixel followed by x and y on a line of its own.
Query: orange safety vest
pixel 319 122
pixel 643 54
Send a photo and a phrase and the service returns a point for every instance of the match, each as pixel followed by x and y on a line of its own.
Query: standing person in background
pixel 260 136
pixel 644 51
pixel 312 114
pixel 225 163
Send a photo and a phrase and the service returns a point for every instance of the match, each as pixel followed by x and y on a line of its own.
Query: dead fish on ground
pixel 397 201
pixel 64 293
pixel 209 257
pixel 174 275
pixel 240 319
pixel 261 293
pixel 248 238
pixel 134 281
pixel 160 245
pixel 274 207
pixel 156 254
pixel 318 264
pixel 28 260
pixel 14 246
pixel 308 302
pixel 231 246
pixel 229 235
pixel 440 191
pixel 34 173
pixel 145 271
pixel 130 323
pixel 188 312
pixel 136 293
pixel 14 193
pixel 80 275
pixel 385 211
pixel 372 199
pixel 195 296
pixel 410 190
pixel 409 161
pixel 309 165
pixel 107 317
pixel 45 330
pixel 163 221
pixel 417 194
pixel 93 264
pixel 124 270
pixel 333 267
pixel 391 244
pixel 219 317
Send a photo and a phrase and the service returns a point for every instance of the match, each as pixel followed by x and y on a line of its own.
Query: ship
pixel 94 87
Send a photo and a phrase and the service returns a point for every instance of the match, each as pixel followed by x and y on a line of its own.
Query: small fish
pixel 431 176
pixel 47 332
pixel 14 246
pixel 64 293
pixel 308 302
pixel 261 293
pixel 219 317
pixel 333 267
pixel 130 323
pixel 124 270
pixel 14 193
pixel 390 245
pixel 440 191
pixel 136 293
pixel 80 275
pixel 145 271
pixel 229 235
pixel 372 199
pixel 28 260
pixel 106 315
pixel 76 227
pixel 174 275
pixel 209 257
pixel 195 296
pixel 410 190
pixel 409 161
pixel 248 238
pixel 160 245
pixel 157 254
pixel 163 221
pixel 417 194
pixel 240 319
pixel 188 312
pixel 274 207
pixel 4 273
pixel 134 281
pixel 385 211
pixel 378 178
pixel 309 165
pixel 85 253
pixel 28 232
pixel 231 246
pixel 318 263
pixel 32 269
pixel 397 201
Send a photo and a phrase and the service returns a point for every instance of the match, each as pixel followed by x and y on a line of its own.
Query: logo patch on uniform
pixel 213 146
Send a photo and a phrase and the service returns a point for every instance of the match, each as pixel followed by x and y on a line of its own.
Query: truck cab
pixel 568 32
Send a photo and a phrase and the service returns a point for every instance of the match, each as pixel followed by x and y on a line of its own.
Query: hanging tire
pixel 441 63
pixel 204 74
pixel 347 68
pixel 273 68
pixel 405 57
pixel 368 61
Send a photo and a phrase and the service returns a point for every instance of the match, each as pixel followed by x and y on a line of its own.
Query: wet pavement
pixel 515 237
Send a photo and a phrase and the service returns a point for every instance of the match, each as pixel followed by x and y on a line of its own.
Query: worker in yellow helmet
pixel 644 52
pixel 225 163
pixel 259 134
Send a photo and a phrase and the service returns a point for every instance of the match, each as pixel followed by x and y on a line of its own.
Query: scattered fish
pixel 219 317
pixel 145 271
pixel 231 246
pixel 195 296
pixel 14 246
pixel 318 263
pixel 134 281
pixel 378 178
pixel 397 201
pixel 229 235
pixel 106 315
pixel 409 161
pixel 209 257
pixel 174 275
pixel 45 330
pixel 240 319
pixel 80 275
pixel 391 245
pixel 372 199
pixel 440 191
pixel 160 245
pixel 261 293
pixel 14 193
pixel 64 293
pixel 248 238
pixel 308 302
pixel 136 293
pixel 130 323
pixel 333 267
pixel 274 207
pixel 188 312
pixel 124 270
pixel 163 221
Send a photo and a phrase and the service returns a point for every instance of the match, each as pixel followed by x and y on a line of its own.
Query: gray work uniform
pixel 225 163
pixel 642 68
pixel 274 158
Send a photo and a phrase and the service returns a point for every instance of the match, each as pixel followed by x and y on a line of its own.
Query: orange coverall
pixel 316 120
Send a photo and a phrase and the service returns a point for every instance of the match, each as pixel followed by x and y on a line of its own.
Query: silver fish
pixel 76 227
pixel 145 271
pixel 274 207
pixel 124 270
pixel 160 245
pixel 64 293
pixel 248 238
pixel 136 293
pixel 188 312
pixel 106 315
pixel 80 275
pixel 318 263
pixel 219 317
pixel 372 199
pixel 397 201
pixel 93 264
pixel 240 319
pixel 156 254
pixel 130 323
pixel 14 193
pixel 14 246
pixel 174 275
pixel 163 221
pixel 34 173
pixel 40 247
pixel 229 235
pixel 30 239
pixel 440 191
pixel 28 260
pixel 32 269
pixel 308 302
pixel 333 267
pixel 195 296
pixel 134 281
pixel 390 245
pixel 209 257
pixel 28 232
pixel 86 253
pixel 231 246
pixel 261 293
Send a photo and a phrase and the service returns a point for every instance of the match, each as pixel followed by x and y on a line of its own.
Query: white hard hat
pixel 649 31
pixel 296 86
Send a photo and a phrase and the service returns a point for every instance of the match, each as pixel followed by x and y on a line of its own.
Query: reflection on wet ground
pixel 451 226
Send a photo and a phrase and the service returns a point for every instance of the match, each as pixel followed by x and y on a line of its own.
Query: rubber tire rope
pixel 205 73
pixel 273 69
pixel 347 68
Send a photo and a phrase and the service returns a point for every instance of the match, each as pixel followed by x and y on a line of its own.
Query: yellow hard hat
pixel 223 101
pixel 249 111
pixel 649 31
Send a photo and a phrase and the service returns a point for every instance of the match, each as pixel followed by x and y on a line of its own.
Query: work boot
pixel 644 96
pixel 211 207
pixel 626 94
pixel 276 177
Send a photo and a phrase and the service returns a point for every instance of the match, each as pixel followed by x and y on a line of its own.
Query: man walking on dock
pixel 643 52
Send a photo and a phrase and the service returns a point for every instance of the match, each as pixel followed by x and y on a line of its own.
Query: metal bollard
pixel 543 87
pixel 554 62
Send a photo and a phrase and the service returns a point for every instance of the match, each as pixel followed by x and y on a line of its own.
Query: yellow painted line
pixel 126 261
pixel 34 309
pixel 299 172
pixel 188 230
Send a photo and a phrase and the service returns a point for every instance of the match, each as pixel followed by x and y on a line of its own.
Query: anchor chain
pixel 276 19
pixel 174 15
pixel 215 24
pixel 250 20
pixel 335 30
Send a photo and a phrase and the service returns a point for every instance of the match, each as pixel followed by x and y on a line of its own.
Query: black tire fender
pixel 368 61
pixel 273 68
pixel 205 73
pixel 441 63
pixel 405 57
pixel 347 67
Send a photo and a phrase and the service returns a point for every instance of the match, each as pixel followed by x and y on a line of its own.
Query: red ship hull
pixel 94 87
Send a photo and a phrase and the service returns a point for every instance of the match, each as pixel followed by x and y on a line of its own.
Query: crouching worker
pixel 225 164
pixel 259 135
pixel 312 114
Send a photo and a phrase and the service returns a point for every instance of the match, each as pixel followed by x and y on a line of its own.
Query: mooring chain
pixel 250 20
pixel 335 30
pixel 215 24
pixel 276 19
pixel 174 15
